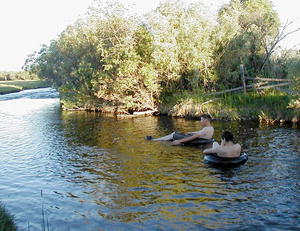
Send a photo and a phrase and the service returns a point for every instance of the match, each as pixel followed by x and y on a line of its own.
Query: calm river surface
pixel 87 172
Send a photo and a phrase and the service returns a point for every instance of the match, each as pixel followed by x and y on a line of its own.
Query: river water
pixel 84 171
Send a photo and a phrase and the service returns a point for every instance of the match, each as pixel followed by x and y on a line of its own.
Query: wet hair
pixel 207 117
pixel 227 136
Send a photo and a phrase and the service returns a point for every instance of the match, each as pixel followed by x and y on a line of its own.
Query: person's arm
pixel 193 133
pixel 239 149
pixel 215 149
pixel 184 140
pixel 209 151
pixel 199 134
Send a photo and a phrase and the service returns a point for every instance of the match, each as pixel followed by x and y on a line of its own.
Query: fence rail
pixel 269 79
pixel 263 83
pixel 256 86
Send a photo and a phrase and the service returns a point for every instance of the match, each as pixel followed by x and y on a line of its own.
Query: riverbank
pixel 6 220
pixel 90 150
pixel 19 85
pixel 270 106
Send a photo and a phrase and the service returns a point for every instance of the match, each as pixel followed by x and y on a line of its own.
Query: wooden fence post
pixel 242 72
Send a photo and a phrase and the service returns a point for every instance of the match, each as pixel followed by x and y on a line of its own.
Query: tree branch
pixel 278 38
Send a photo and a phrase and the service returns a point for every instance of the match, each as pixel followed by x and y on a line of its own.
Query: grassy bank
pixel 6 220
pixel 268 106
pixel 19 85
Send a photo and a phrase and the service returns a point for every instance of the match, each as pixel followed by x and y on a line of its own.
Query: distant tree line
pixel 17 75
pixel 111 58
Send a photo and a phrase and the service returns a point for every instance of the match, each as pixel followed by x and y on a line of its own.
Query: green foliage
pixel 292 66
pixel 105 58
pixel 272 104
pixel 245 30
pixel 267 105
pixel 183 51
pixel 18 85
pixel 111 58
pixel 17 75
pixel 6 220
pixel 5 89
pixel 292 63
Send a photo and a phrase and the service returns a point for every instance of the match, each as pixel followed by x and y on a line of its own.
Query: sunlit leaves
pixel 115 59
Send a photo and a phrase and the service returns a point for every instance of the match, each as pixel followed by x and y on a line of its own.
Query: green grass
pixel 267 105
pixel 19 85
pixel 6 220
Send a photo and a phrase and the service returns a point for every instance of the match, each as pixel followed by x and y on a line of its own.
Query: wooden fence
pixel 261 83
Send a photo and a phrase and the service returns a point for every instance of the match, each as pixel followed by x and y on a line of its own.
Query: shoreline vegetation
pixel 173 59
pixel 276 105
pixel 269 106
pixel 6 220
pixel 170 62
pixel 12 86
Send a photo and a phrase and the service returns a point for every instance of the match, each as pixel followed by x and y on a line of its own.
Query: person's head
pixel 205 119
pixel 227 136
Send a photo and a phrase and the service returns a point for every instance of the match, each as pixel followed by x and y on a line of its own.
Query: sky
pixel 26 25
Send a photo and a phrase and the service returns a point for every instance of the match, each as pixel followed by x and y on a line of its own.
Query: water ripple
pixel 88 171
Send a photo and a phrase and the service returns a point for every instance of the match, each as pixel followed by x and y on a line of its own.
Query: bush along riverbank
pixel 171 59
pixel 6 220
pixel 270 106
pixel 19 85
pixel 267 106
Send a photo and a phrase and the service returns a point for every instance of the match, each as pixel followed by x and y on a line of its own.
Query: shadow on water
pixel 172 183
pixel 98 172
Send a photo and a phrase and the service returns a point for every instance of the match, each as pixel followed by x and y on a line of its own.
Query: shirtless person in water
pixel 227 148
pixel 206 132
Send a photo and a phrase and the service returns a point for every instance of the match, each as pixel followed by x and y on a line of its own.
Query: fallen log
pixel 138 114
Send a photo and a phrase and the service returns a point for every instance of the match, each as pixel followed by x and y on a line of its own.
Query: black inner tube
pixel 217 160
pixel 179 136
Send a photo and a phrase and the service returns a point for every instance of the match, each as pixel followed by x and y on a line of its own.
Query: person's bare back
pixel 227 148
pixel 205 132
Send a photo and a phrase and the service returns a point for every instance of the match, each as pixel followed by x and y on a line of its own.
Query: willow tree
pixel 182 47
pixel 245 29
pixel 99 61
pixel 292 63
pixel 110 58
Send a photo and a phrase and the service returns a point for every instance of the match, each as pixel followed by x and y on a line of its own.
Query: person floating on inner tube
pixel 227 148
pixel 206 132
